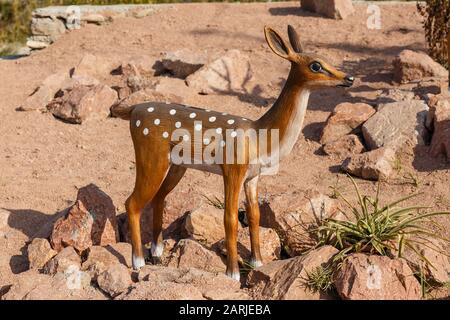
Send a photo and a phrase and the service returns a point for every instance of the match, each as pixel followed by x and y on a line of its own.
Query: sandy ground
pixel 43 161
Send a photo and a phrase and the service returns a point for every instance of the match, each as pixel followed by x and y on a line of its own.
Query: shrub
pixel 436 23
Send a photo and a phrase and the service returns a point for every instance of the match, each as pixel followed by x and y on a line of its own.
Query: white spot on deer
pixel 178 124
pixel 234 134
pixel 145 132
pixel 192 115
pixel 138 123
pixel 212 119
pixel 222 143
pixel 165 134
pixel 224 114
pixel 245 119
pixel 172 112
pixel 206 141
pixel 198 127
pixel 219 130
pixel 157 121
pixel 151 109
pixel 186 137
pixel 231 121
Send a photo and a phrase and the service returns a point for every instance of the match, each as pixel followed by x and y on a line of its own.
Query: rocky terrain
pixel 68 163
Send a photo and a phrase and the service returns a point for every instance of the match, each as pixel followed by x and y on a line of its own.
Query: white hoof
pixel 255 263
pixel 234 275
pixel 138 262
pixel 157 250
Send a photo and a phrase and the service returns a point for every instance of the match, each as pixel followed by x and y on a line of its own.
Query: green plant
pixel 377 229
pixel 320 279
pixel 436 23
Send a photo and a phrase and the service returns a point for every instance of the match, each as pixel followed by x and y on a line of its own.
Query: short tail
pixel 122 112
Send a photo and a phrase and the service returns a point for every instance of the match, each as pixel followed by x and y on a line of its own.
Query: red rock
pixel 67 259
pixel 289 282
pixel 335 9
pixel 440 115
pixel 100 259
pixel 363 277
pixel 226 74
pixel 373 165
pixel 344 147
pixel 100 205
pixel 189 253
pixel 39 99
pixel 114 280
pixel 294 216
pixel 346 118
pixel 182 63
pixel 39 253
pixel 205 224
pixel 79 103
pixel 258 278
pixel 410 65
pixel 91 65
pixel 269 245
pixel 73 230
pixel 90 221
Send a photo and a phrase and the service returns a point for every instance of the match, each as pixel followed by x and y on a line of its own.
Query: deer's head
pixel 308 70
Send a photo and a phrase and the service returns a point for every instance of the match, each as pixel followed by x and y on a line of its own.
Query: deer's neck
pixel 287 114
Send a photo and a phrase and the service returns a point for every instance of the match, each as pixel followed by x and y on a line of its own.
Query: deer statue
pixel 158 130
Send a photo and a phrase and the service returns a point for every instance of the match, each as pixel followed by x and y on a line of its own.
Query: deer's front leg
pixel 251 193
pixel 233 179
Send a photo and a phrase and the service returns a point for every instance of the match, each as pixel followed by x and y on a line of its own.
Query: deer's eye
pixel 315 67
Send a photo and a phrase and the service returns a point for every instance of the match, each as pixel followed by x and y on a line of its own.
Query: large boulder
pixel 79 103
pixel 45 93
pixel 439 118
pixel 411 65
pixel 290 282
pixel 191 254
pixel 346 118
pixel 373 165
pixel 259 277
pixel 396 124
pixel 295 217
pixel 50 27
pixel 182 63
pixel 335 9
pixel 364 277
pixel 228 74
pixel 90 221
pixel 39 253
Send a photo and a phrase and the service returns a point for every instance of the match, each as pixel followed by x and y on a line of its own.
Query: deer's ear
pixel 294 39
pixel 276 43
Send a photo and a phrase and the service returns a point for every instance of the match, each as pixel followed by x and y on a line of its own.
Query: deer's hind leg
pixel 150 174
pixel 170 182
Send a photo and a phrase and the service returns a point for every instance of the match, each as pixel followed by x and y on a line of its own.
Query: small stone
pixel 93 18
pixel 335 9
pixel 346 118
pixel 344 147
pixel 65 260
pixel 439 116
pixel 364 277
pixel 410 65
pixel 224 75
pixel 373 165
pixel 39 253
pixel 114 280
pixel 37 45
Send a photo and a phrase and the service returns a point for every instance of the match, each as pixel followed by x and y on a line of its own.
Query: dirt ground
pixel 43 160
